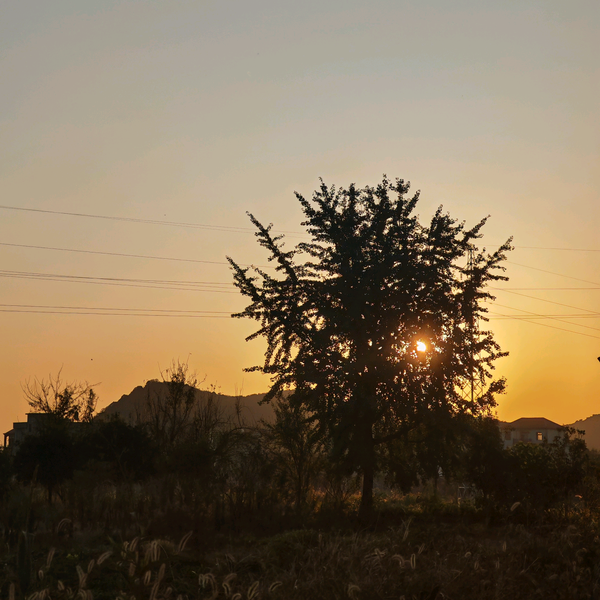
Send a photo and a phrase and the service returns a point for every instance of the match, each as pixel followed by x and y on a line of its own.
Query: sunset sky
pixel 196 112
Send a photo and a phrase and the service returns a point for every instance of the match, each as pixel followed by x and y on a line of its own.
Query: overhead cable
pixel 553 289
pixel 160 284
pixel 221 227
pixel 144 256
pixel 551 326
pixel 558 319
pixel 114 311
pixel 510 262
pixel 108 314
pixel 144 221
pixel 545 300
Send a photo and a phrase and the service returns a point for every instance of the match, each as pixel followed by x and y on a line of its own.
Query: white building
pixel 534 430
pixel 34 424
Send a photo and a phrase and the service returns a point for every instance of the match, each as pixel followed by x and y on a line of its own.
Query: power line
pixel 551 326
pixel 145 221
pixel 548 301
pixel 510 262
pixel 221 227
pixel 557 318
pixel 167 284
pixel 532 315
pixel 179 285
pixel 544 316
pixel 190 286
pixel 557 248
pixel 108 314
pixel 144 256
pixel 113 311
pixel 192 260
pixel 128 279
pixel 165 310
pixel 549 288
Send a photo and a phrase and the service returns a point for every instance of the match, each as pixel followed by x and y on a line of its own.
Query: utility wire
pixel 145 256
pixel 557 289
pixel 222 227
pixel 510 262
pixel 202 286
pixel 557 248
pixel 146 221
pixel 192 260
pixel 166 284
pixel 544 316
pixel 109 314
pixel 548 301
pixel 535 315
pixel 550 326
pixel 131 280
pixel 189 286
pixel 164 310
pixel 113 311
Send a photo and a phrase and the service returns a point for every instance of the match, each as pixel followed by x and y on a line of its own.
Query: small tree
pixel 485 462
pixel 170 415
pixel 569 458
pixel 75 401
pixel 548 475
pixel 372 321
pixel 296 446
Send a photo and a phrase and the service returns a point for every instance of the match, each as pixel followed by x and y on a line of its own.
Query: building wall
pixel 511 437
pixel 22 429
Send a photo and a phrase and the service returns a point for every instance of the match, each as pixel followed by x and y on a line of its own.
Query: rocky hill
pixel 134 406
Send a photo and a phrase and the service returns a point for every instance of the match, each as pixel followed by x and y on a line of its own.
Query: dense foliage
pixel 372 322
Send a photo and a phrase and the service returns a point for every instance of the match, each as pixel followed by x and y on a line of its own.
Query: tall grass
pixel 412 560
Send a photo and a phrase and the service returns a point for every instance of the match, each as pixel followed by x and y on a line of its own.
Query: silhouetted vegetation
pixel 75 401
pixel 48 457
pixel 376 477
pixel 372 323
pixel 271 515
pixel 121 451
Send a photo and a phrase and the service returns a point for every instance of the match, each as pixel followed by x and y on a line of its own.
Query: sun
pixel 421 346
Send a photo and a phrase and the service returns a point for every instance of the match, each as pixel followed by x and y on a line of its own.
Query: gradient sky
pixel 196 112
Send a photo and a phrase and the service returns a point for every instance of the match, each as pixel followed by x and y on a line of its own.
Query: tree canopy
pixel 373 321
pixel 75 401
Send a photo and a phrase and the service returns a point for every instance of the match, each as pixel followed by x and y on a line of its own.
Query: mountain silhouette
pixel 133 407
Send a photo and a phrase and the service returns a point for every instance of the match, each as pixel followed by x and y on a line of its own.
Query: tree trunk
pixel 365 510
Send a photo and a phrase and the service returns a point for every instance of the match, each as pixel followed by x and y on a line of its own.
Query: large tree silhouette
pixel 344 312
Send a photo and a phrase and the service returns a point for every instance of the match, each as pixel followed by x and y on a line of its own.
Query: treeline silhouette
pixel 189 466
pixel 185 461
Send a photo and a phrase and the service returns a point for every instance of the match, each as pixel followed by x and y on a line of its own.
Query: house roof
pixel 533 423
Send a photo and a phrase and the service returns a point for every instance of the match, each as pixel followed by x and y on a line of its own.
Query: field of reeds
pixel 419 546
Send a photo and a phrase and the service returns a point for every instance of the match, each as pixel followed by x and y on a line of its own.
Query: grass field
pixel 412 550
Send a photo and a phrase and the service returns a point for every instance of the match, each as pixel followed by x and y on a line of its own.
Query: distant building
pixel 533 430
pixel 34 424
